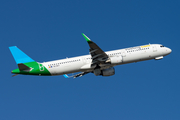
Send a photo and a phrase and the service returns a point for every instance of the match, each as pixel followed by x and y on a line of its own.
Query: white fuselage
pixel 127 55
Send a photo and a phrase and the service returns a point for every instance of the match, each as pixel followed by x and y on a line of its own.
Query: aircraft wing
pixel 97 54
pixel 75 76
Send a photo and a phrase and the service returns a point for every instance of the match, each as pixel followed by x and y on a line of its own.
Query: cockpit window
pixel 161 46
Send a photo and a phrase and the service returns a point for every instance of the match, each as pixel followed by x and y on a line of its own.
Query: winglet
pixel 87 39
pixel 66 76
pixel 19 56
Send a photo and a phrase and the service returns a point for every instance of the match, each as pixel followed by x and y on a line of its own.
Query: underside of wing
pixel 75 76
pixel 97 54
pixel 100 62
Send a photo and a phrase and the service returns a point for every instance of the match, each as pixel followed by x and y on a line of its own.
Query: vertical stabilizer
pixel 20 56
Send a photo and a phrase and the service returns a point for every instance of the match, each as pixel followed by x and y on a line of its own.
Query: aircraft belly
pixel 135 57
pixel 65 69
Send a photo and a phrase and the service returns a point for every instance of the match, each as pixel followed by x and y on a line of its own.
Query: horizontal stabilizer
pixel 15 75
pixel 23 67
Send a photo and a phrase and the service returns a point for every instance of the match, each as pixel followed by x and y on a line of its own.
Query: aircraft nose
pixel 169 50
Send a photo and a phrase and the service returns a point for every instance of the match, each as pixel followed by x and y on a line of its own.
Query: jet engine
pixel 116 60
pixel 105 72
pixel 108 72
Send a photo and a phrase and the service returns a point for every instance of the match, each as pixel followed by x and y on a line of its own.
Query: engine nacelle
pixel 116 60
pixel 108 72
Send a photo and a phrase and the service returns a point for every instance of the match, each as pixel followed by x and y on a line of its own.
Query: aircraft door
pixel 154 48
pixel 84 60
pixel 123 53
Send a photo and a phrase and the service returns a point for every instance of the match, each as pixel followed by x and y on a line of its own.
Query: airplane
pixel 98 62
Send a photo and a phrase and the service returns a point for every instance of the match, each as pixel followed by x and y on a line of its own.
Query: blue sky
pixel 51 30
